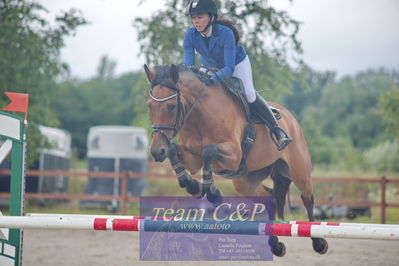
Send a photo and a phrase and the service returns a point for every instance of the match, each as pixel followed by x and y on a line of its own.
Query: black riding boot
pixel 262 109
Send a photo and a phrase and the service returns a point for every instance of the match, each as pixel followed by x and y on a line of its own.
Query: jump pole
pixel 212 227
pixel 90 216
pixel 12 129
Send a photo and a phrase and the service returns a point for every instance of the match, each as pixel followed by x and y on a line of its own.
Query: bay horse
pixel 209 125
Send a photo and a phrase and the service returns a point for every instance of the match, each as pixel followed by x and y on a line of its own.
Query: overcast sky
pixel 345 36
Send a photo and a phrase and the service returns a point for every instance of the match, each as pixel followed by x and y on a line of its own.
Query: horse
pixel 209 125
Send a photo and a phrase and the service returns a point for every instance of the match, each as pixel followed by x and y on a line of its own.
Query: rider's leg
pixel 244 72
pixel 263 110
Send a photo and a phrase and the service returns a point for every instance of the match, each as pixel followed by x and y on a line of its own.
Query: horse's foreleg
pixel 185 180
pixel 209 155
pixel 221 156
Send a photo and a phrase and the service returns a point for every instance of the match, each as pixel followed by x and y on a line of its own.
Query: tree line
pixel 350 123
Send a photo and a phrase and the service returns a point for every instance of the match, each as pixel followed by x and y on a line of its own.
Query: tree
pixel 29 58
pixel 350 108
pixel 389 103
pixel 101 100
pixel 383 157
pixel 306 89
pixel 106 68
pixel 342 119
pixel 267 34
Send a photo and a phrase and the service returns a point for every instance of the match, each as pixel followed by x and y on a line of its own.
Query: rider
pixel 216 40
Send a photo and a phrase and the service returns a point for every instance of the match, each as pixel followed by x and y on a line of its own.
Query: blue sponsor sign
pixel 200 217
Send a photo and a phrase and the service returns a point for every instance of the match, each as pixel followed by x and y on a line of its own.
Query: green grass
pixel 68 208
pixel 392 217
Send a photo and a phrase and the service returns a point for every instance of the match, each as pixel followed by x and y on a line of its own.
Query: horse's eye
pixel 171 107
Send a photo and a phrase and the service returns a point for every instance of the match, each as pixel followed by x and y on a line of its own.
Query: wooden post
pixel 383 199
pixel 123 201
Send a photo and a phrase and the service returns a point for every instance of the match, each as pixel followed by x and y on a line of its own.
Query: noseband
pixel 178 123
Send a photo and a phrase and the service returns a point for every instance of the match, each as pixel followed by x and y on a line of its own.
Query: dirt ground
pixel 78 247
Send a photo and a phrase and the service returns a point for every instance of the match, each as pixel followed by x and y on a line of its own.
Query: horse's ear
pixel 149 73
pixel 174 73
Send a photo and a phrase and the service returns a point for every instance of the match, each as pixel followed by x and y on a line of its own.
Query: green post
pixel 12 127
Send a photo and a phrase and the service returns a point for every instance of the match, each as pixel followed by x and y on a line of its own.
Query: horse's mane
pixel 163 72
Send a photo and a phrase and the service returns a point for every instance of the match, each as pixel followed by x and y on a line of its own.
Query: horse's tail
pixel 281 185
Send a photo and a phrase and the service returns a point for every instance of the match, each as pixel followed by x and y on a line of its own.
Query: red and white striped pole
pixel 333 231
pixel 148 217
pixel 253 228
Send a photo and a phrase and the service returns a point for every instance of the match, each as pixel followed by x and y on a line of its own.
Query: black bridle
pixel 181 117
pixel 178 122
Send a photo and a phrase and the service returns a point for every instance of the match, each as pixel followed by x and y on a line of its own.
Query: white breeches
pixel 244 72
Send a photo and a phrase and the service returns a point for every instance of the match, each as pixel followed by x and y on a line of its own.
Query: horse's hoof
pixel 320 245
pixel 216 200
pixel 278 249
pixel 214 196
pixel 182 181
pixel 193 187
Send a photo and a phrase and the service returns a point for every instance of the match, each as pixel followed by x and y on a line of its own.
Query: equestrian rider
pixel 216 40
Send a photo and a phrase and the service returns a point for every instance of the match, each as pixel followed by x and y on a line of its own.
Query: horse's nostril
pixel 159 153
pixel 162 153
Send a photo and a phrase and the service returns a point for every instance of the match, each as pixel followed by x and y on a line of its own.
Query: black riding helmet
pixel 203 6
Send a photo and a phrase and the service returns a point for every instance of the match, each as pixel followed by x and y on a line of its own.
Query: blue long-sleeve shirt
pixel 222 52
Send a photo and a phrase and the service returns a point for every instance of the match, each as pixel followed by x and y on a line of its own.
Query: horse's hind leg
pixel 320 245
pixel 251 185
pixel 280 188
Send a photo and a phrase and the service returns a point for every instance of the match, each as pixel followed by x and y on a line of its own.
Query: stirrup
pixel 284 139
pixel 281 146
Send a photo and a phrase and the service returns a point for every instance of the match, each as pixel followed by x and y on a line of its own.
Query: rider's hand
pixel 213 77
pixel 203 70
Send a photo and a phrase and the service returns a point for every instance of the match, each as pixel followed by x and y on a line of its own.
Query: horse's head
pixel 165 108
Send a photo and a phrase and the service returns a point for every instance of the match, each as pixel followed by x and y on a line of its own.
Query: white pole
pixel 26 222
pixel 348 224
pixel 79 216
pixel 355 232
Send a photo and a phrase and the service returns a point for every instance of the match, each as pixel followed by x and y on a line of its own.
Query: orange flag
pixel 19 102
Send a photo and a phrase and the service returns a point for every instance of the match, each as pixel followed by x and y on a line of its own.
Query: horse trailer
pixel 115 149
